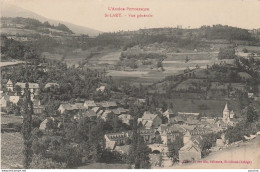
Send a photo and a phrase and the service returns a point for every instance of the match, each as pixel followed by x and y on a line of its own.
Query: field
pixel 210 107
pixel 11 150
pixel 5 119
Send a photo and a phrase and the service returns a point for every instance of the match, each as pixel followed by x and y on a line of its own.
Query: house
pixel 14 99
pixel 33 87
pixel 126 118
pixel 169 136
pixel 4 101
pixel 10 85
pixel 89 104
pixel 71 107
pixel 150 120
pixel 115 139
pixel 191 151
pixel 148 135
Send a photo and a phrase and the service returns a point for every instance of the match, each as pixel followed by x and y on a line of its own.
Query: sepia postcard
pixel 130 84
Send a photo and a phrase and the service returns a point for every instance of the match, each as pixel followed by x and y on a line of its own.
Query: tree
pixel 39 162
pixel 174 148
pixel 27 127
pixel 227 53
pixel 139 151
pixel 251 115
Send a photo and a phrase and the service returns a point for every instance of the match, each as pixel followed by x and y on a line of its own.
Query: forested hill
pixel 25 24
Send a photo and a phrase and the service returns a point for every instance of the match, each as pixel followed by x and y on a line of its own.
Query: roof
pixel 163 127
pixel 125 116
pixel 226 108
pixel 90 103
pixel 148 124
pixel 68 106
pixel 51 84
pixel 31 85
pixel 176 128
pixel 149 116
pixel 192 121
pixel 244 75
pixel 120 110
pixel 106 113
pixel 177 119
pixel 118 135
pixel 123 149
pixel 96 109
pixel 190 145
pixel 108 104
pixel 195 142
pixel 9 82
pixel 90 113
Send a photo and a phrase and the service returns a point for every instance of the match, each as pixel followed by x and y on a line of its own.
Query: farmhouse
pixel 33 87
pixel 148 135
pixel 126 118
pixel 116 139
pixel 150 120
pixel 191 151
pixel 70 107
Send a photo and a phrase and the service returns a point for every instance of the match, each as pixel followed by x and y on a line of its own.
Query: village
pixel 157 129
pixel 166 95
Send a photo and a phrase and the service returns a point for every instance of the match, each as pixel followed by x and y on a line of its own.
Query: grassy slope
pixel 11 150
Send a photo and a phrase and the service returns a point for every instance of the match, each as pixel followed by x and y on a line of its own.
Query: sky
pixel 165 13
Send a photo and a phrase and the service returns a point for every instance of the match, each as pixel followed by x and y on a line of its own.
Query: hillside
pixel 8 10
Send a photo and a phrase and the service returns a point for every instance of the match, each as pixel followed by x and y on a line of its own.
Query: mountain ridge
pixel 8 10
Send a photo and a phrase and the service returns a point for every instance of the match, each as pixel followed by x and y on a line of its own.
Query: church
pixel 227 115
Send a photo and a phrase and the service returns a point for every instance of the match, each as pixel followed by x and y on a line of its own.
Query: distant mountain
pixel 8 10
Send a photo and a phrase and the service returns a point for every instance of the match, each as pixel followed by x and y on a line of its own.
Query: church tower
pixel 9 85
pixel 226 114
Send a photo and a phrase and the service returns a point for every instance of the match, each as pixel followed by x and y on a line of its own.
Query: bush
pixel 227 53
pixel 39 162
